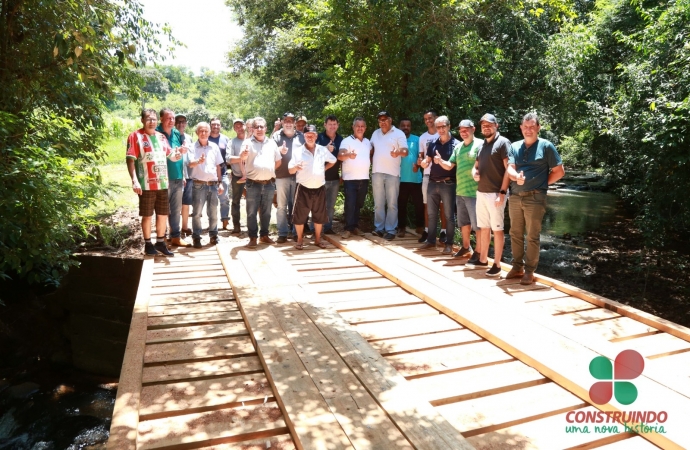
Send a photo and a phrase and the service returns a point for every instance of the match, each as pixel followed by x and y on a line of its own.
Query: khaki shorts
pixel 150 201
pixel 488 215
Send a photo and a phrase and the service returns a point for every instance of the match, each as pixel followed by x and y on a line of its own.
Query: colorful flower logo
pixel 628 365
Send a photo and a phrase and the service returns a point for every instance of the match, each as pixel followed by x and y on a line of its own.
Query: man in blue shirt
pixel 533 164
pixel 410 182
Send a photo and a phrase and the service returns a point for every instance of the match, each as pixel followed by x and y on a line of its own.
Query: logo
pixel 628 365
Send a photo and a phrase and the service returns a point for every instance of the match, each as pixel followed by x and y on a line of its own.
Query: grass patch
pixel 116 179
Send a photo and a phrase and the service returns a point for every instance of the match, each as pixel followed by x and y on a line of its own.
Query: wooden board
pixel 424 342
pixel 192 308
pixel 201 278
pixel 198 349
pixel 390 313
pixel 561 305
pixel 591 315
pixel 191 297
pixel 202 369
pixel 334 297
pixel 194 319
pixel 618 328
pixel 654 346
pixel 354 305
pixel 349 277
pixel 350 270
pixel 195 332
pixel 407 327
pixel 168 274
pixel 190 288
pixel 353 286
pixel 282 442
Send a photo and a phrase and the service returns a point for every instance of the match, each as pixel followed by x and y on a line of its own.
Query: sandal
pixel 322 245
pixel 299 246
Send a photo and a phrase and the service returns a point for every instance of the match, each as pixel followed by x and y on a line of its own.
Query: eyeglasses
pixel 151 119
pixel 441 126
pixel 259 127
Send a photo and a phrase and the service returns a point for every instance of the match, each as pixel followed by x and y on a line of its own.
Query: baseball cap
pixel 288 114
pixel 180 115
pixel 238 120
pixel 310 129
pixel 383 113
pixel 466 123
pixel 488 118
pixel 302 119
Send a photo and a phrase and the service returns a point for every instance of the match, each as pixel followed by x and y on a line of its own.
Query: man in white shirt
pixel 310 163
pixel 355 151
pixel 262 157
pixel 205 164
pixel 389 145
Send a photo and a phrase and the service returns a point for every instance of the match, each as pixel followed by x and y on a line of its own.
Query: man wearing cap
pixel 288 140
pixel 410 182
pixel 262 157
pixel 233 158
pixel 463 159
pixel 176 175
pixel 533 164
pixel 490 172
pixel 310 163
pixel 301 124
pixel 222 142
pixel 331 140
pixel 389 145
pixel 181 127
pixel 441 183
pixel 424 140
pixel 355 151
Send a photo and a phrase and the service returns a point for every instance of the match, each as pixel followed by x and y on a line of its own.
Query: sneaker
pixel 447 250
pixel 464 251
pixel 527 278
pixel 472 262
pixel 197 243
pixel 282 239
pixel 214 240
pixel 427 245
pixel 329 231
pixel 150 250
pixel 346 234
pixel 401 233
pixel 378 233
pixel 442 237
pixel 163 249
pixel 515 273
pixel 494 271
pixel 423 237
pixel 389 236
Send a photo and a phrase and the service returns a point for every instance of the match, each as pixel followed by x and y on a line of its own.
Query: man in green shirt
pixel 463 159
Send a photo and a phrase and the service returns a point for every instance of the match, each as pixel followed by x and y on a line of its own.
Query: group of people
pixel 300 171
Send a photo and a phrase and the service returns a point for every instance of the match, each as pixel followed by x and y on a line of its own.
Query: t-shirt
pixel 187 140
pixel 175 168
pixel 235 149
pixel 150 155
pixel 491 168
pixel 261 162
pixel 333 173
pixel 207 170
pixel 292 143
pixel 313 173
pixel 383 146
pixel 423 143
pixel 358 168
pixel 222 142
pixel 464 158
pixel 535 161
pixel 407 175
pixel 438 173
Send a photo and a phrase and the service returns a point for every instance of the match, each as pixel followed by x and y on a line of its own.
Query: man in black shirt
pixel 331 140
pixel 287 139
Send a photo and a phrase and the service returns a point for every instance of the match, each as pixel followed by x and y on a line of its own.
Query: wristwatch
pixel 502 192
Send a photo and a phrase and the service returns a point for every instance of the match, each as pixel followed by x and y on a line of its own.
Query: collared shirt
pixel 358 168
pixel 424 141
pixel 407 174
pixel 149 154
pixel 384 144
pixel 333 173
pixel 491 167
pixel 235 149
pixel 222 142
pixel 535 161
pixel 438 173
pixel 292 143
pixel 464 158
pixel 207 170
pixel 313 172
pixel 261 163
pixel 186 140
pixel 175 168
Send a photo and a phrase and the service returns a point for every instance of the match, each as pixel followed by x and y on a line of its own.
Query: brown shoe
pixel 356 232
pixel 236 230
pixel 427 245
pixel 401 233
pixel 225 224
pixel 515 273
pixel 252 243
pixel 266 240
pixel 177 242
pixel 527 278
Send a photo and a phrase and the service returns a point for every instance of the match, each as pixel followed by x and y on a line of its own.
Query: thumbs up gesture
pixel 330 146
pixel 437 158
pixel 520 178
pixel 202 158
pixel 283 149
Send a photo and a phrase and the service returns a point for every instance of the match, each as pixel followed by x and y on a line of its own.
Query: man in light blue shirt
pixel 410 182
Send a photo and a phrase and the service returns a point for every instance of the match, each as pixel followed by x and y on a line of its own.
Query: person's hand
pixel 299 166
pixel 394 152
pixel 283 149
pixel 330 146
pixel 202 158
pixel 499 200
pixel 136 187
pixel 275 200
pixel 184 183
pixel 437 158
pixel 520 179
pixel 182 149
pixel 244 154
pixel 476 176
pixel 352 153
pixel 220 188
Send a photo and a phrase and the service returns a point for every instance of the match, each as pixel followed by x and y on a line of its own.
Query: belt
pixel 206 183
pixel 445 180
pixel 262 181
pixel 526 193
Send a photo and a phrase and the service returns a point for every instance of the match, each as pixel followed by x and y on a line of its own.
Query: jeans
pixel 437 193
pixel 386 188
pixel 224 199
pixel 526 214
pixel 285 197
pixel 259 199
pixel 175 189
pixel 237 189
pixel 205 194
pixel 410 191
pixel 332 189
pixel 355 194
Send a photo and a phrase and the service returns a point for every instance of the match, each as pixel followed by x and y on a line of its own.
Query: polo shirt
pixel 491 168
pixel 175 168
pixel 383 146
pixel 235 149
pixel 358 168
pixel 262 158
pixel 464 158
pixel 407 174
pixel 423 144
pixel 333 173
pixel 207 170
pixel 535 161
pixel 446 150
pixel 313 172
pixel 186 140
pixel 222 142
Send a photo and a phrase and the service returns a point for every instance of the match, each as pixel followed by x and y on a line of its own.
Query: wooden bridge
pixel 375 345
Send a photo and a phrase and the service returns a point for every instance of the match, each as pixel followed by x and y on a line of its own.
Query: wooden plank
pixel 194 319
pixel 592 315
pixel 539 295
pixel 678 363
pixel 424 342
pixel 407 327
pixel 617 328
pixel 282 442
pixel 335 258
pixel 190 288
pixel 187 269
pixel 353 286
pixel 171 372
pixel 349 277
pixel 341 264
pixel 191 297
pixel 198 349
pixel 201 278
pixel 655 345
pixel 195 332
pixel 353 305
pixel 390 313
pixel 192 308
pixel 561 305
pixel 185 264
pixel 218 392
pixel 494 412
pixel 335 297
pixel 197 428
pixel 350 270
pixel 214 271
pixel 125 420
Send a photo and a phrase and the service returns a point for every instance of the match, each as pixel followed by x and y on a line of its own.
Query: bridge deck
pixel 373 344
